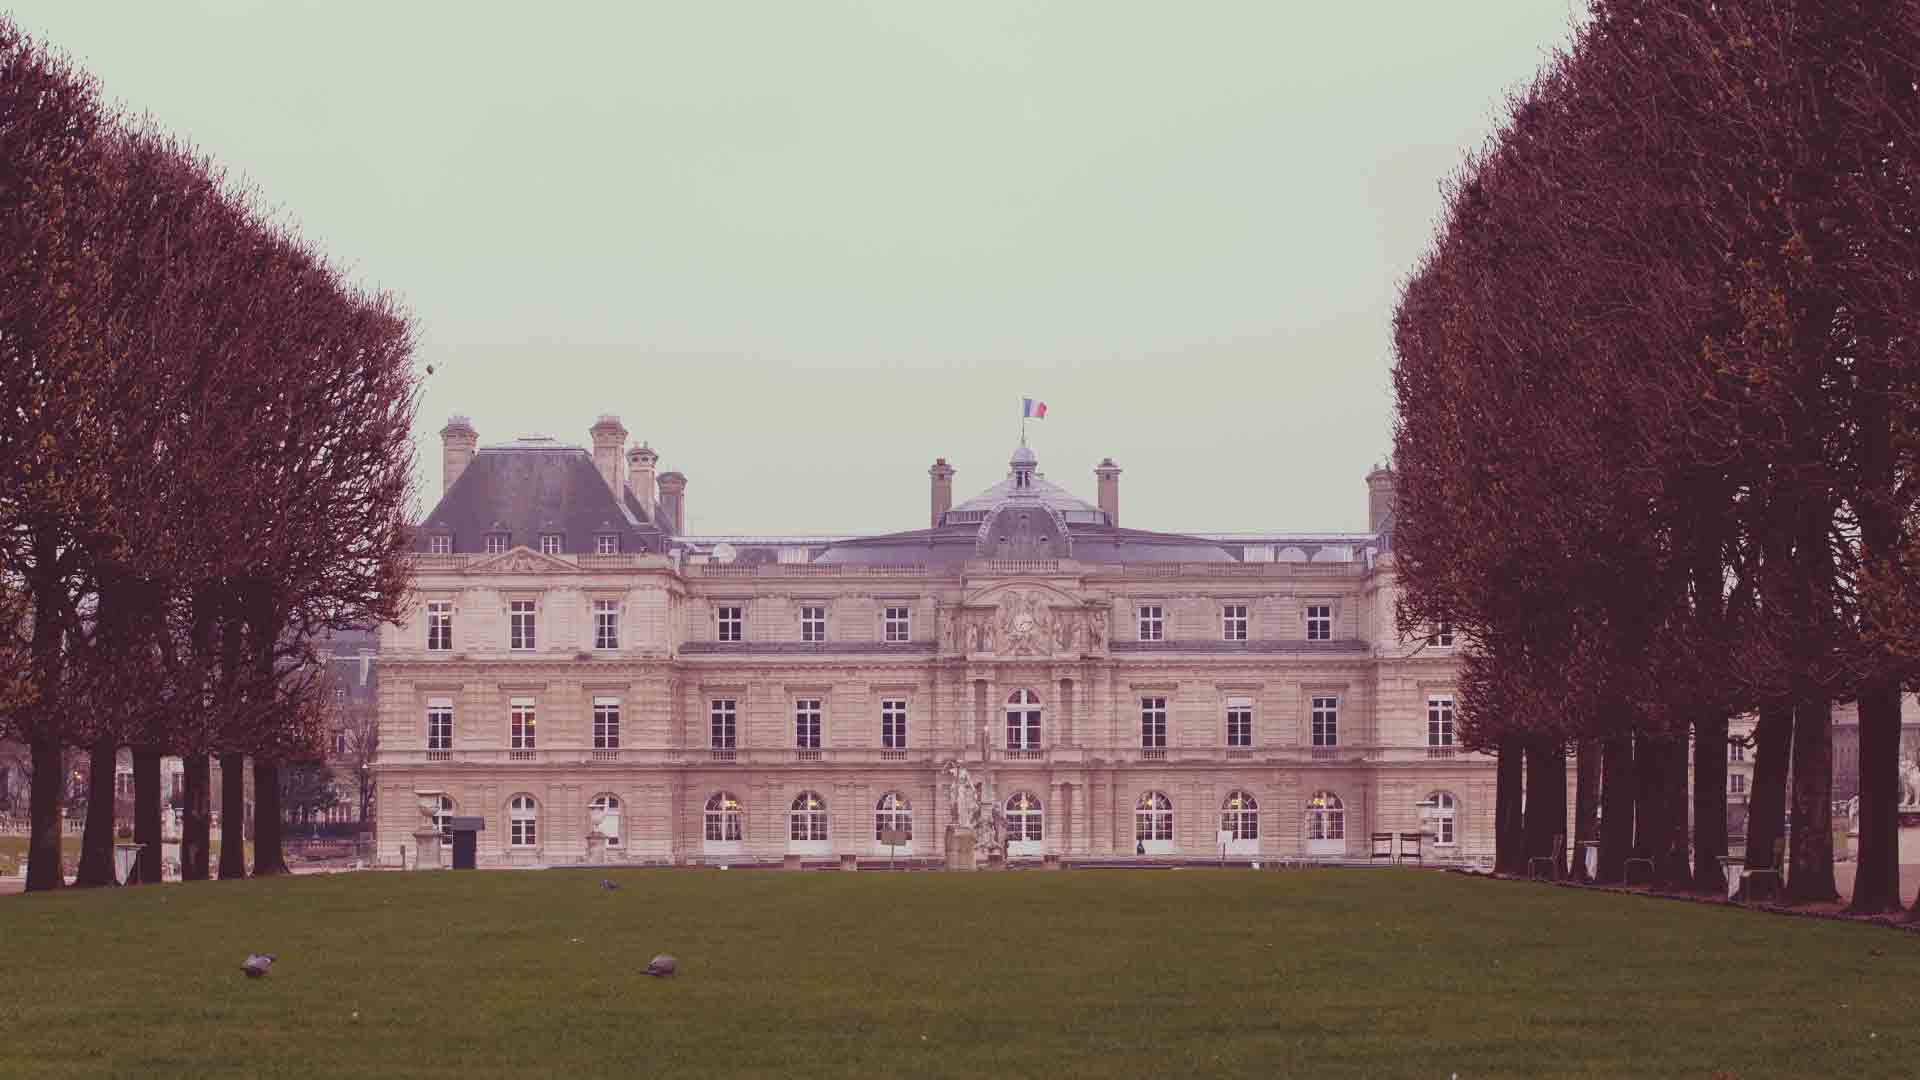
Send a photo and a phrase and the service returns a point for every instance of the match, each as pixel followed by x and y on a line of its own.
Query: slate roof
pixel 530 487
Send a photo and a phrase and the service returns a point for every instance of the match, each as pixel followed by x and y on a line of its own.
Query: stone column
pixel 1057 809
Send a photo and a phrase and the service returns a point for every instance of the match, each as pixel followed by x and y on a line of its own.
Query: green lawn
pixel 13 851
pixel 1357 973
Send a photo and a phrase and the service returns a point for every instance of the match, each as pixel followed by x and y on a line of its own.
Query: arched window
pixel 807 821
pixel 1024 824
pixel 1240 815
pixel 443 819
pixel 1437 815
pixel 523 820
pixel 724 819
pixel 1153 823
pixel 1326 824
pixel 893 813
pixel 1023 720
pixel 609 814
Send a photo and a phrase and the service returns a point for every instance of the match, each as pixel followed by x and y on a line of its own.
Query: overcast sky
pixel 803 248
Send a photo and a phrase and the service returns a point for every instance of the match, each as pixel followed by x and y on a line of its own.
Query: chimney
pixel 673 503
pixel 942 474
pixel 640 462
pixel 609 439
pixel 1379 496
pixel 458 441
pixel 1108 476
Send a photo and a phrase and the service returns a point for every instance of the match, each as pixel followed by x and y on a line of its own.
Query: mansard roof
pixel 531 487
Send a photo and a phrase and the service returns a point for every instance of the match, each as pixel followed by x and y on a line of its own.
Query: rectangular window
pixel 550 544
pixel 339 744
pixel 606 545
pixel 440 724
pixel 725 716
pixel 893 724
pixel 1442 636
pixel 520 614
pixel 806 724
pixel 1152 623
pixel 440 545
pixel 496 543
pixel 523 724
pixel 606 723
pixel 1239 722
pixel 1233 622
pixel 730 622
pixel 898 625
pixel 439 626
pixel 813 623
pixel 1326 721
pixel 1439 721
pixel 606 624
pixel 1153 722
pixel 1736 752
pixel 1319 622
pixel 1736 784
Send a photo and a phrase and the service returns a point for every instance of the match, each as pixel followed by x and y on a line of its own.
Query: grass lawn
pixel 1359 973
pixel 13 851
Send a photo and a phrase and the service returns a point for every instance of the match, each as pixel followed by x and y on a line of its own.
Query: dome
pixel 1024 456
pixel 1026 486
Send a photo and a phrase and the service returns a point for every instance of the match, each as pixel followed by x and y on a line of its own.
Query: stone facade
pixel 747 699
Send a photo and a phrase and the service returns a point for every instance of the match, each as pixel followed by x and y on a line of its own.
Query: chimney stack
pixel 640 462
pixel 1107 474
pixel 673 503
pixel 1379 496
pixel 458 441
pixel 942 474
pixel 609 440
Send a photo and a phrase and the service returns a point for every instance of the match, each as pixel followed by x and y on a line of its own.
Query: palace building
pixel 597 685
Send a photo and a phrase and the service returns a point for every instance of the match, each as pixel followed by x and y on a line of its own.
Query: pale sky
pixel 804 248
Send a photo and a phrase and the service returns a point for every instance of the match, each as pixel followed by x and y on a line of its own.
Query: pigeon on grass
pixel 609 884
pixel 257 964
pixel 664 966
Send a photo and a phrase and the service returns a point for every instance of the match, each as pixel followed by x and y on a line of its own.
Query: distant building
pixel 575 661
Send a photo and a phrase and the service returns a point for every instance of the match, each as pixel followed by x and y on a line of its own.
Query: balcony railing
pixel 893 755
pixel 604 757
pixel 1238 753
pixel 726 754
pixel 1153 753
pixel 1440 753
pixel 806 755
pixel 1026 755
pixel 523 755
pixel 1326 753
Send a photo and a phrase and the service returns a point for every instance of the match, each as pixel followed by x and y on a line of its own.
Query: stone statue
pixel 1909 785
pixel 966 794
pixel 1096 629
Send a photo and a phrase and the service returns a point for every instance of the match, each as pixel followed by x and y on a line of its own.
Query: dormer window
pixel 440 544
pixel 606 544
pixel 496 543
pixel 550 544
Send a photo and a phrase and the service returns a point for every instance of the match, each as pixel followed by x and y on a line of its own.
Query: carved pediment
pixel 522 560
pixel 1026 620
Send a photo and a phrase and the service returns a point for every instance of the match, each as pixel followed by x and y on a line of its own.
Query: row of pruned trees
pixel 205 452
pixel 1658 382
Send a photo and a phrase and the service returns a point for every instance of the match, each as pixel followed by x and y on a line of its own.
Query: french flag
pixel 1033 410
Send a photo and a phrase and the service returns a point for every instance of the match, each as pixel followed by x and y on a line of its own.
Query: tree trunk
pixel 1876 881
pixel 196 819
pixel 233 816
pixel 43 807
pixel 1810 857
pixel 1709 803
pixel 1509 841
pixel 96 842
pixel 1676 869
pixel 146 811
pixel 1616 807
pixel 1650 818
pixel 1767 802
pixel 1546 814
pixel 1586 805
pixel 267 856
